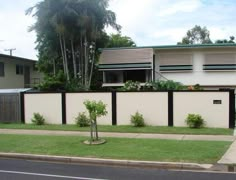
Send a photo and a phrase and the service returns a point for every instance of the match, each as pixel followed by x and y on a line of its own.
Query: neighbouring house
pixel 210 65
pixel 17 72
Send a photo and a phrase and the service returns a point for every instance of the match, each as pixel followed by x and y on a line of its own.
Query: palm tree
pixel 77 23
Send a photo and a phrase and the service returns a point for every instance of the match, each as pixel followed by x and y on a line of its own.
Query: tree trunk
pixel 62 53
pixel 54 67
pixel 85 61
pixel 81 59
pixel 91 131
pixel 96 129
pixel 73 57
pixel 66 61
pixel 91 67
pixel 93 59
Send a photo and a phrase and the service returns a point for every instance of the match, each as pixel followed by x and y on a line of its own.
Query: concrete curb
pixel 112 162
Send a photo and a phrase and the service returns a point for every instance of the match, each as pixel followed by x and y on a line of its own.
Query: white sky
pixel 147 22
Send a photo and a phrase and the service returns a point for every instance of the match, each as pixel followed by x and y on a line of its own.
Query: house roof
pixel 182 46
pixel 16 58
pixel 9 91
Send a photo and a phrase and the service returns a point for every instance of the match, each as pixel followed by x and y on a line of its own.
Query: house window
pixel 35 67
pixel 113 76
pixel 176 62
pixel 135 75
pixel 19 69
pixel 2 69
pixel 219 62
pixel 121 76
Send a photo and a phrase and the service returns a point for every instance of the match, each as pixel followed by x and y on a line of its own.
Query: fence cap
pixel 2 91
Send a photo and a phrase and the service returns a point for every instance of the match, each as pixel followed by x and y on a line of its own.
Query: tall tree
pixel 197 35
pixel 72 28
pixel 117 40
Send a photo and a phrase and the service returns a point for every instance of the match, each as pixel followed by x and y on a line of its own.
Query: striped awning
pixel 219 67
pixel 176 67
pixel 125 66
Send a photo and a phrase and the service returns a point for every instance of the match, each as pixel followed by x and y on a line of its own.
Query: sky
pixel 147 22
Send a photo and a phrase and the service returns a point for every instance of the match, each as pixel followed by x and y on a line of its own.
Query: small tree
pixel 95 109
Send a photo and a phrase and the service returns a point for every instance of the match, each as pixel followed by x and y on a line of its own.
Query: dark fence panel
pixel 9 108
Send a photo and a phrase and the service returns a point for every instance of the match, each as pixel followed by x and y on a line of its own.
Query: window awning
pixel 123 56
pixel 125 66
pixel 219 67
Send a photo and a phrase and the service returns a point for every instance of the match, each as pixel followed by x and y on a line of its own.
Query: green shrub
pixel 38 119
pixel 82 120
pixel 195 121
pixel 53 82
pixel 197 87
pixel 131 86
pixel 137 120
pixel 167 85
pixel 148 86
pixel 59 82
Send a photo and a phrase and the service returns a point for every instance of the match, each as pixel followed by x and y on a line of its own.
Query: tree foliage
pixel 67 32
pixel 117 40
pixel 197 35
pixel 222 41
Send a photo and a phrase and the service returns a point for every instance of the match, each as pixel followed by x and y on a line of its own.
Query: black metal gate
pixel 10 107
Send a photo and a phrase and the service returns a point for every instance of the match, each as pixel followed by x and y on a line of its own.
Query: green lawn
pixel 117 148
pixel 131 129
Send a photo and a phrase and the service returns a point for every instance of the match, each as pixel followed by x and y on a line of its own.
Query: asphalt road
pixel 11 169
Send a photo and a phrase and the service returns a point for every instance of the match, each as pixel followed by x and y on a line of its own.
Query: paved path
pixel 230 155
pixel 123 135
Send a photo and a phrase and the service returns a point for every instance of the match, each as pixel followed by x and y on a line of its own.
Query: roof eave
pixel 185 46
pixel 17 58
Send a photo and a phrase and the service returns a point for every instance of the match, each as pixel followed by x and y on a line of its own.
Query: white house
pixel 16 72
pixel 210 65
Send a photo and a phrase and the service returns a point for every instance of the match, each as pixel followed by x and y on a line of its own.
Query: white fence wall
pixel 215 115
pixel 74 105
pixel 121 105
pixel 152 105
pixel 49 105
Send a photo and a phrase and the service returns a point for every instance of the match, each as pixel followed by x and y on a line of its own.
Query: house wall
pixel 48 105
pixel 198 75
pixel 12 80
pixel 35 76
pixel 75 105
pixel 152 105
pixel 215 115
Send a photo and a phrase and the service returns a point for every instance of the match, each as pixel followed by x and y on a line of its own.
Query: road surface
pixel 11 169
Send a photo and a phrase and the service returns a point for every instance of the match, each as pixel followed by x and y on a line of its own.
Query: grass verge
pixel 126 129
pixel 117 148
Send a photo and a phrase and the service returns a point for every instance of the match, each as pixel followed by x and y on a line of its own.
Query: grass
pixel 126 129
pixel 117 148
